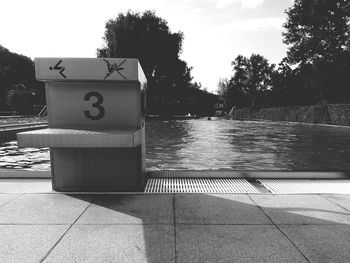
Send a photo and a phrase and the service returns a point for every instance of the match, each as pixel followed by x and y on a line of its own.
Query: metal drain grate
pixel 198 185
pixel 303 186
pixel 194 174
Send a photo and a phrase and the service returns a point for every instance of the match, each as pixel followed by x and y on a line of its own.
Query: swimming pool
pixel 223 144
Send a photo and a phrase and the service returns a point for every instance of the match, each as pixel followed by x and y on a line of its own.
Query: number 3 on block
pixel 97 105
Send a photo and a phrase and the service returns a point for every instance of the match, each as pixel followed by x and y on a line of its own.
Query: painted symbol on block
pixel 57 67
pixel 114 68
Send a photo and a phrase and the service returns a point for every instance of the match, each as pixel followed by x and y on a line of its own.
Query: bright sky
pixel 215 31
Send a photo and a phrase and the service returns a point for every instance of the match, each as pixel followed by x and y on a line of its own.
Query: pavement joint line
pixel 19 195
pixel 124 224
pixel 277 227
pixel 262 210
pixel 59 240
pixel 263 224
pixel 177 224
pixel 325 197
pixel 170 224
pixel 175 241
pixel 218 224
pixel 284 234
pixel 33 224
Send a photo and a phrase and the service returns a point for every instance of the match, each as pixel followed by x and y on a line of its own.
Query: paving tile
pixel 43 209
pixel 342 200
pixel 301 209
pixel 321 243
pixel 307 186
pixel 116 243
pixel 233 243
pixel 26 186
pixel 217 209
pixel 28 243
pixel 15 185
pixel 129 209
pixel 40 186
pixel 4 198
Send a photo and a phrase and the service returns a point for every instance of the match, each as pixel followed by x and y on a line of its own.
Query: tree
pixel 232 94
pixel 318 35
pixel 252 76
pixel 317 30
pixel 14 69
pixel 198 101
pixel 148 38
pixel 282 87
pixel 18 70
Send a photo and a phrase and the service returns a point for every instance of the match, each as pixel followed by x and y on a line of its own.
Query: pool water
pixel 223 144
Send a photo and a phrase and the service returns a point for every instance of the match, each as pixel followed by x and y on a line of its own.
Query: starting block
pixel 96 123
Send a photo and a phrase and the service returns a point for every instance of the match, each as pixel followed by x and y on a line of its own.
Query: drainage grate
pixel 194 174
pixel 302 186
pixel 198 185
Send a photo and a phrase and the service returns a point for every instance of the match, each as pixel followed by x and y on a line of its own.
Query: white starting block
pixel 96 123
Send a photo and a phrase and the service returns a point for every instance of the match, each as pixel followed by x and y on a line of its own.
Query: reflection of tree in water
pixel 227 144
pixel 291 146
pixel 222 144
pixel 319 148
pixel 163 140
pixel 259 145
pixel 207 146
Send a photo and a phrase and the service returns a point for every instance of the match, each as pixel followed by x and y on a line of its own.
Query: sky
pixel 215 31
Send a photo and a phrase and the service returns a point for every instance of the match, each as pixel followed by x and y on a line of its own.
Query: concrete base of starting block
pixel 97 169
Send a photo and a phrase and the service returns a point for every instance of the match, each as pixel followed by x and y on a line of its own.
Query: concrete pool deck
pixel 41 225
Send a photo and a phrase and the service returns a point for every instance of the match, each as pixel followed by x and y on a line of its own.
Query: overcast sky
pixel 215 31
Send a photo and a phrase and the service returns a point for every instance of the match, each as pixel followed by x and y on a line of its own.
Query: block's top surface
pixel 59 137
pixel 89 69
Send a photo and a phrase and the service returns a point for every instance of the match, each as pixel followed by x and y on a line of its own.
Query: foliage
pixel 318 35
pixel 336 114
pixel 14 69
pixel 317 30
pixel 252 75
pixel 316 69
pixel 199 101
pixel 148 38
pixel 17 70
pixel 252 78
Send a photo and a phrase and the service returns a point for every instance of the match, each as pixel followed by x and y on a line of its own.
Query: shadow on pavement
pixel 207 228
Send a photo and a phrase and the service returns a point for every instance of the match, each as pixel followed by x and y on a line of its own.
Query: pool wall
pixel 336 114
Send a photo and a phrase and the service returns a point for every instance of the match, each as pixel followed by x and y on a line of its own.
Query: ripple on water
pixel 221 144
